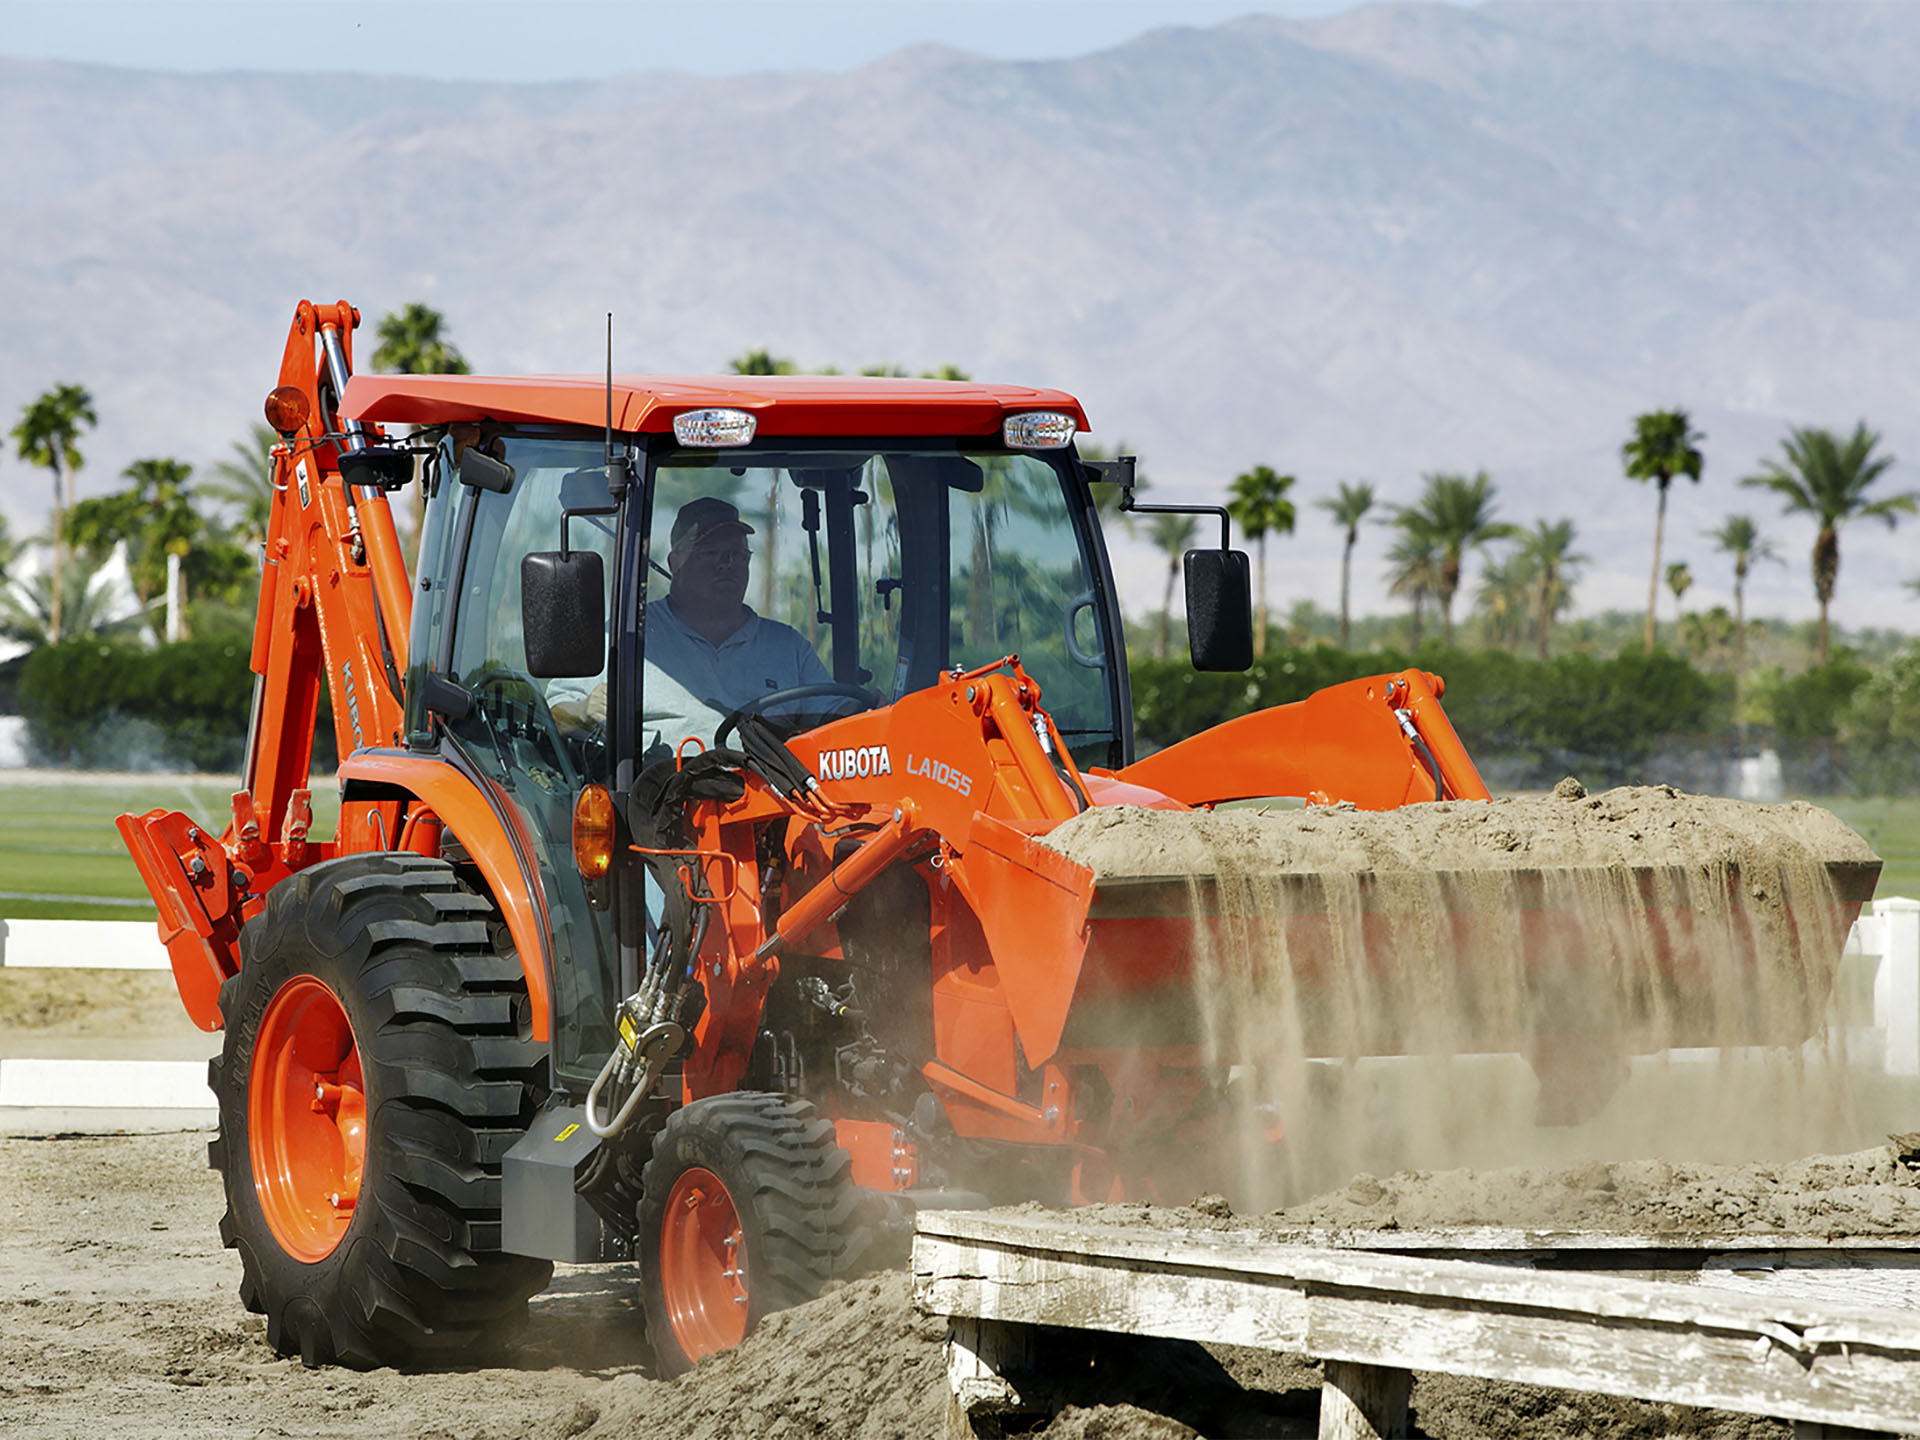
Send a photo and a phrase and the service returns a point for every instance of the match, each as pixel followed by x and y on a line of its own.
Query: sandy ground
pixel 119 1317
pixel 119 1314
pixel 128 1014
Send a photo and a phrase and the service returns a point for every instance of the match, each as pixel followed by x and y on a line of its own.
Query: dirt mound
pixel 857 1364
pixel 1871 1192
pixel 1632 825
pixel 1867 1193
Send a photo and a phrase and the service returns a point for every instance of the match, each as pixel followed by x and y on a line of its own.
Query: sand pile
pixel 1637 825
pixel 1828 1196
pixel 1870 1192
pixel 857 1364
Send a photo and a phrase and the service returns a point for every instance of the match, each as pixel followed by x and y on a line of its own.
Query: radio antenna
pixel 616 477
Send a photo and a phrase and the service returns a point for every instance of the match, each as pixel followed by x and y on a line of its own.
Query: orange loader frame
pixel 976 773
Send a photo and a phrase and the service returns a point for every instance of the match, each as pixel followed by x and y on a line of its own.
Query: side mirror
pixel 388 469
pixel 1219 610
pixel 483 472
pixel 563 613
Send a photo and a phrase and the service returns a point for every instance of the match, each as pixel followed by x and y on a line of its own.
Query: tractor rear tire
pixel 376 1070
pixel 747 1206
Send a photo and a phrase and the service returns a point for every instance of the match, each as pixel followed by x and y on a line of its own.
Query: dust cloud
pixel 1533 980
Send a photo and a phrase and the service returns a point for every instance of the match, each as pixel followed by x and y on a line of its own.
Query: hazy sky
pixel 562 39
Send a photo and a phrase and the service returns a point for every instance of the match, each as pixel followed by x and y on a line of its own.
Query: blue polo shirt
pixel 760 657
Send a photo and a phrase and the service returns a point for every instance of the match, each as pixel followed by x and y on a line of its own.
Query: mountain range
pixel 1397 239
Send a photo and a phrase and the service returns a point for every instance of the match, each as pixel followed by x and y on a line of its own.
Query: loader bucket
pixel 1640 958
pixel 1636 922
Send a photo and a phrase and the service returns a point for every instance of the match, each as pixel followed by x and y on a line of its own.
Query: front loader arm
pixel 1378 743
pixel 334 609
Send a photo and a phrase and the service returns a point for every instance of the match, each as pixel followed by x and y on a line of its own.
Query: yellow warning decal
pixel 565 1133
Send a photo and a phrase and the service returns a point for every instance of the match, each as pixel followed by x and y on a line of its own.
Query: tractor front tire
pixel 375 1071
pixel 747 1206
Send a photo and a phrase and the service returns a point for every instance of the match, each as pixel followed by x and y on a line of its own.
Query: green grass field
pixel 61 858
pixel 1893 828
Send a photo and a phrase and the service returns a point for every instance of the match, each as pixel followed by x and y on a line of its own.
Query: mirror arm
pixel 1130 506
pixel 1122 471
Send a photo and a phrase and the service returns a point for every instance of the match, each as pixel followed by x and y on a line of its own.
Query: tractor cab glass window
pixel 812 581
pixel 517 733
pixel 1020 586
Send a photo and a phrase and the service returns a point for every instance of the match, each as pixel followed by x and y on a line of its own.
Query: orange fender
pixel 463 809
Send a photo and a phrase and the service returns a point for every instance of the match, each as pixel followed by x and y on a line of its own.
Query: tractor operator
pixel 704 637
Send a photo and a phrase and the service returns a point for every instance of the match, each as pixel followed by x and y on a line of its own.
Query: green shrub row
pixel 1534 719
pixel 1526 722
pixel 101 705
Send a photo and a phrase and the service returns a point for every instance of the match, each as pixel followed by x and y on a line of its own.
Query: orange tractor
pixel 725 969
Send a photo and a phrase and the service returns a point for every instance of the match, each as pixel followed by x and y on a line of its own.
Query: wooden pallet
pixel 1826 1334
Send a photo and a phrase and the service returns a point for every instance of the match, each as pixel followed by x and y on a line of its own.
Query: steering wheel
pixel 534 702
pixel 866 699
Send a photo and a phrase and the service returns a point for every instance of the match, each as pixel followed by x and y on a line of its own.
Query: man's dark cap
pixel 703 517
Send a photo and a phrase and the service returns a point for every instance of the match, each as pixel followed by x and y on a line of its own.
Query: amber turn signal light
pixel 287 409
pixel 593 832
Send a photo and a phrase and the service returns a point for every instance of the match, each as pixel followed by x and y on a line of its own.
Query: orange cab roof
pixel 784 404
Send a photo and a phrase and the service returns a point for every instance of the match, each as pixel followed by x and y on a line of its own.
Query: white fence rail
pixel 1879 984
pixel 1876 1005
pixel 82 945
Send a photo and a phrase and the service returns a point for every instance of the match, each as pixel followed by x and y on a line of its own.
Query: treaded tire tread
pixel 450 1085
pixel 805 1224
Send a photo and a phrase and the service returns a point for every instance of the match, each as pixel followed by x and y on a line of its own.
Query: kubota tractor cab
pixel 599 960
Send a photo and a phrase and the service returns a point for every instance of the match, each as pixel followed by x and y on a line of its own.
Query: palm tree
pixel 1706 639
pixel 27 606
pixel 1172 535
pixel 1456 513
pixel 1506 595
pixel 1739 537
pixel 1259 502
pixel 48 436
pixel 1548 548
pixel 949 371
pixel 9 548
pixel 761 362
pixel 1679 581
pixel 1664 445
pixel 411 343
pixel 1348 509
pixel 244 482
pixel 1828 479
pixel 1415 572
pixel 153 517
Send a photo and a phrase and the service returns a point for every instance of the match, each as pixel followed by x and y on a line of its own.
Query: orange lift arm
pixel 334 609
pixel 1378 742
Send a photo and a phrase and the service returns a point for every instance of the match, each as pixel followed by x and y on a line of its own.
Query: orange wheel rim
pixel 703 1265
pixel 307 1119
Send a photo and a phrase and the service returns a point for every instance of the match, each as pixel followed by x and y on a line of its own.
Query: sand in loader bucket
pixel 1514 953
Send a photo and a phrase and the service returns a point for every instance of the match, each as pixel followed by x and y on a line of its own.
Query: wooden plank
pixel 1363 1402
pixel 1492 1239
pixel 1249 1254
pixel 1689 1344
